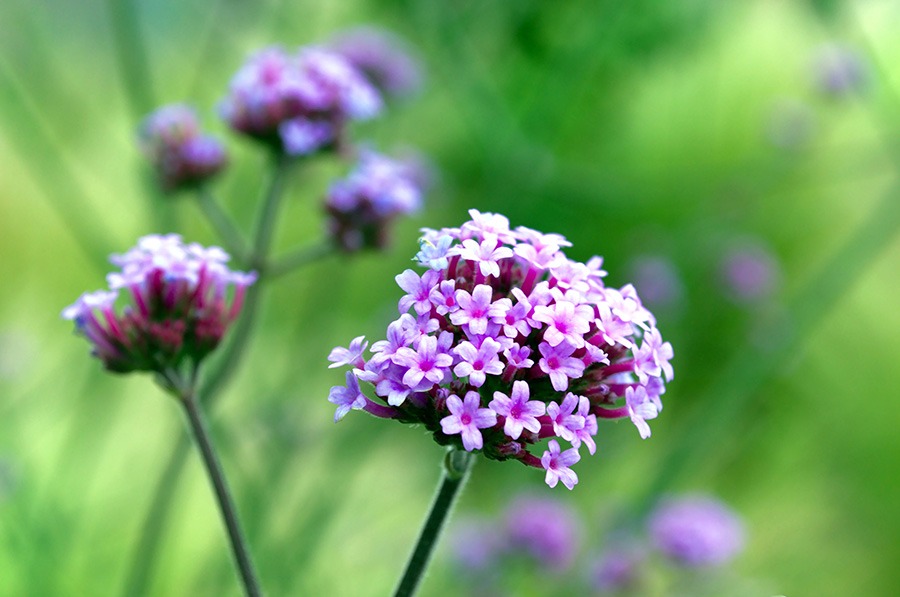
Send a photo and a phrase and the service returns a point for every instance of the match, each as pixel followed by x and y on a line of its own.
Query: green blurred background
pixel 639 129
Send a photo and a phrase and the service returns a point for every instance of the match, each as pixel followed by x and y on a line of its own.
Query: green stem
pixel 298 258
pixel 222 223
pixel 223 495
pixel 265 225
pixel 223 368
pixel 457 465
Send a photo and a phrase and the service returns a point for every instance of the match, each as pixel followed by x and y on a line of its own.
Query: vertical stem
pixel 265 226
pixel 223 225
pixel 457 465
pixel 223 496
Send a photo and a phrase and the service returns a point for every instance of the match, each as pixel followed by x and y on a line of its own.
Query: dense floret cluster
pixel 361 206
pixel 503 342
pixel 179 306
pixel 298 102
pixel 180 153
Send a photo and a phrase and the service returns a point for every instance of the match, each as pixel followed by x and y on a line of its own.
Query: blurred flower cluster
pixel 546 538
pixel 503 342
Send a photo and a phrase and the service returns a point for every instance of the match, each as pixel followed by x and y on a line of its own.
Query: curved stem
pixel 265 225
pixel 457 465
pixel 298 258
pixel 223 495
pixel 222 369
pixel 222 223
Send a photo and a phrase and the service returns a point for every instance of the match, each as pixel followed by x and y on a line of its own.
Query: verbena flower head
pixel 180 299
pixel 382 57
pixel 696 531
pixel 507 346
pixel 361 206
pixel 298 102
pixel 182 156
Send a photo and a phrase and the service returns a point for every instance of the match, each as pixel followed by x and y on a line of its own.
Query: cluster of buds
pixel 503 342
pixel 298 102
pixel 180 305
pixel 361 206
pixel 181 154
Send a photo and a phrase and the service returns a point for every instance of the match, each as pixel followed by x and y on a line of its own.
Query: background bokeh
pixel 668 133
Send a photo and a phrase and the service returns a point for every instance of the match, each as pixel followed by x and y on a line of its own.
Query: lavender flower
pixel 178 307
pixel 362 206
pixel 536 343
pixel 657 279
pixel 696 531
pixel 182 156
pixel 382 57
pixel 298 103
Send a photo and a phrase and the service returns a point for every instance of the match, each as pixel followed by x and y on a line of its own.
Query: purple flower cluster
pixel 696 531
pixel 543 530
pixel 178 309
pixel 382 57
pixel 298 102
pixel 361 206
pixel 503 342
pixel 181 155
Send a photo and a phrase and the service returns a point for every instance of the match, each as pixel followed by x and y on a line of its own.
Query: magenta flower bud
pixel 298 103
pixel 180 301
pixel 506 346
pixel 696 531
pixel 182 156
pixel 382 57
pixel 362 206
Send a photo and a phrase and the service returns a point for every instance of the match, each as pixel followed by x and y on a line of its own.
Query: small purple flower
pixel 476 363
pixel 467 418
pixel 586 433
pixel 434 254
pixel 696 531
pixel 353 355
pixel 346 397
pixel 559 364
pixel 418 289
pixel 640 408
pixel 557 465
pixel 426 364
pixel 565 322
pixel 565 422
pixel 443 297
pixel 485 254
pixel 520 412
pixel 475 309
